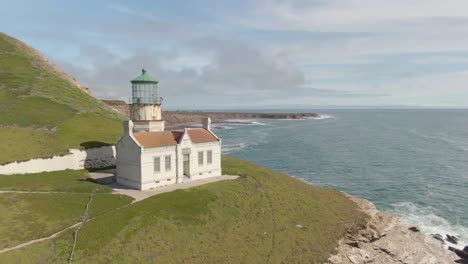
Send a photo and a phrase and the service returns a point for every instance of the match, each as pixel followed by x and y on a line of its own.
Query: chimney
pixel 206 123
pixel 128 127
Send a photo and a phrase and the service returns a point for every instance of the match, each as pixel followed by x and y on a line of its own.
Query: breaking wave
pixel 236 123
pixel 248 122
pixel 430 222
pixel 233 147
pixel 223 127
pixel 320 117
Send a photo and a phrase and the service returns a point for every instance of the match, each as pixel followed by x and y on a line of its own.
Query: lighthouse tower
pixel 145 105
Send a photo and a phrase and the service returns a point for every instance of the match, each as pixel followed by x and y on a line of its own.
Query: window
pixel 157 164
pixel 209 157
pixel 167 163
pixel 200 158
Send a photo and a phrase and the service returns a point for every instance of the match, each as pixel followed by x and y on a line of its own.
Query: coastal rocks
pixel 452 239
pixel 448 238
pixel 438 237
pixel 463 254
pixel 386 240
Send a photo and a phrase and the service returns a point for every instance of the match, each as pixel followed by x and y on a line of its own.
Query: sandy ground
pixel 108 178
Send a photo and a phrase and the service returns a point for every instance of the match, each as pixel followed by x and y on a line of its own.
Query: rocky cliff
pixel 385 239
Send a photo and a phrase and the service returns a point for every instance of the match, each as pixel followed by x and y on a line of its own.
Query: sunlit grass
pixel 263 216
pixel 41 113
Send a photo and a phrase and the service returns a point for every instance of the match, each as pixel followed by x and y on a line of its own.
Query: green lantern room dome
pixel 144 78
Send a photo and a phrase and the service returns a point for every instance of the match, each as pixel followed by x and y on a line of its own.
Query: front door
pixel 187 165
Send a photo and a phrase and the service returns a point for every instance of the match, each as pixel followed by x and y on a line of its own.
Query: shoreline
pixel 186 118
pixel 386 239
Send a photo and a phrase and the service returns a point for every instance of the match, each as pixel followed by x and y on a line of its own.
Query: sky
pixel 257 54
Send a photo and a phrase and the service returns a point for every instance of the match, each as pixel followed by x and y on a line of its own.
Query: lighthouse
pixel 145 104
pixel 148 157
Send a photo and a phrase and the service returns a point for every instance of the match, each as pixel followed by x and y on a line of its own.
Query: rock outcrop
pixel 387 240
pixel 463 254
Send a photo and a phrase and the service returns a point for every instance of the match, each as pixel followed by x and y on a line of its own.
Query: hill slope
pixel 261 217
pixel 43 110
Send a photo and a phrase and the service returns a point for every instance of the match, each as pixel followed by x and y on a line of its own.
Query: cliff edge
pixel 385 239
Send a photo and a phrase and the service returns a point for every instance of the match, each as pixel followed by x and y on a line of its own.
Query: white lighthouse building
pixel 150 157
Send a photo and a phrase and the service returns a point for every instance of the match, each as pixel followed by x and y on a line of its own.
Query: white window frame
pixel 157 161
pixel 209 157
pixel 167 161
pixel 200 158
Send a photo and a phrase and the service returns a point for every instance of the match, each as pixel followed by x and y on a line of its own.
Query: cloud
pixel 352 15
pixel 234 73
pixel 256 53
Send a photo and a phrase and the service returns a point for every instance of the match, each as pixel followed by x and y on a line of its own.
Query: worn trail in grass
pixel 253 219
pixel 26 217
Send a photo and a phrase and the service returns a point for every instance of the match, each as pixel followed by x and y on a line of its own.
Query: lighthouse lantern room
pixel 145 105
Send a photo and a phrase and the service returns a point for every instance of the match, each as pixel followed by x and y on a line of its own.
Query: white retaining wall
pixel 76 160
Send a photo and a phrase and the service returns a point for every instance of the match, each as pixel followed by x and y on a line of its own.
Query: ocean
pixel 413 163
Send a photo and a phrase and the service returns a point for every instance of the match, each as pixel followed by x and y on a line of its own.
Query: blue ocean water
pixel 413 163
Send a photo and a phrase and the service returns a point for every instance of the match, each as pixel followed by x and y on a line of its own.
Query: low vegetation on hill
pixel 44 111
pixel 261 217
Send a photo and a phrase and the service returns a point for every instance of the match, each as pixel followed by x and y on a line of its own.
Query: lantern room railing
pixel 145 100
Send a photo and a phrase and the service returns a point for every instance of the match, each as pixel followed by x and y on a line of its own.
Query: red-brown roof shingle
pixel 171 138
pixel 201 136
pixel 155 139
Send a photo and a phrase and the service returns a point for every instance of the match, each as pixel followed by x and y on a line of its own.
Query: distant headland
pixel 179 118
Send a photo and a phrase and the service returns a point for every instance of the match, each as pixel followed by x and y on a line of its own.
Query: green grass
pixel 33 111
pixel 37 101
pixel 249 220
pixel 30 216
pixel 26 143
pixel 73 181
pixel 81 131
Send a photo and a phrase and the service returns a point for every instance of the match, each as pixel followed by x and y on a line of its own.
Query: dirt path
pixel 85 218
pixel 137 195
pixel 37 240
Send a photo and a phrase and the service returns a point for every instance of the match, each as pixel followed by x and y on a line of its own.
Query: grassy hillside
pixel 44 111
pixel 262 217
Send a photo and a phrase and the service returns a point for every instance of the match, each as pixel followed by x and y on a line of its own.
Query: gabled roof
pixel 172 138
pixel 201 136
pixel 155 139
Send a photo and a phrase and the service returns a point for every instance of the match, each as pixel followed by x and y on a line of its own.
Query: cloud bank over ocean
pixel 254 53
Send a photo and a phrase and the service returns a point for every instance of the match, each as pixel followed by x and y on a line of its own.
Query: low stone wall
pixel 76 160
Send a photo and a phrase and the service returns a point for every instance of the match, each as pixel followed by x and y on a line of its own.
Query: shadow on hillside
pixel 102 180
pixel 94 144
